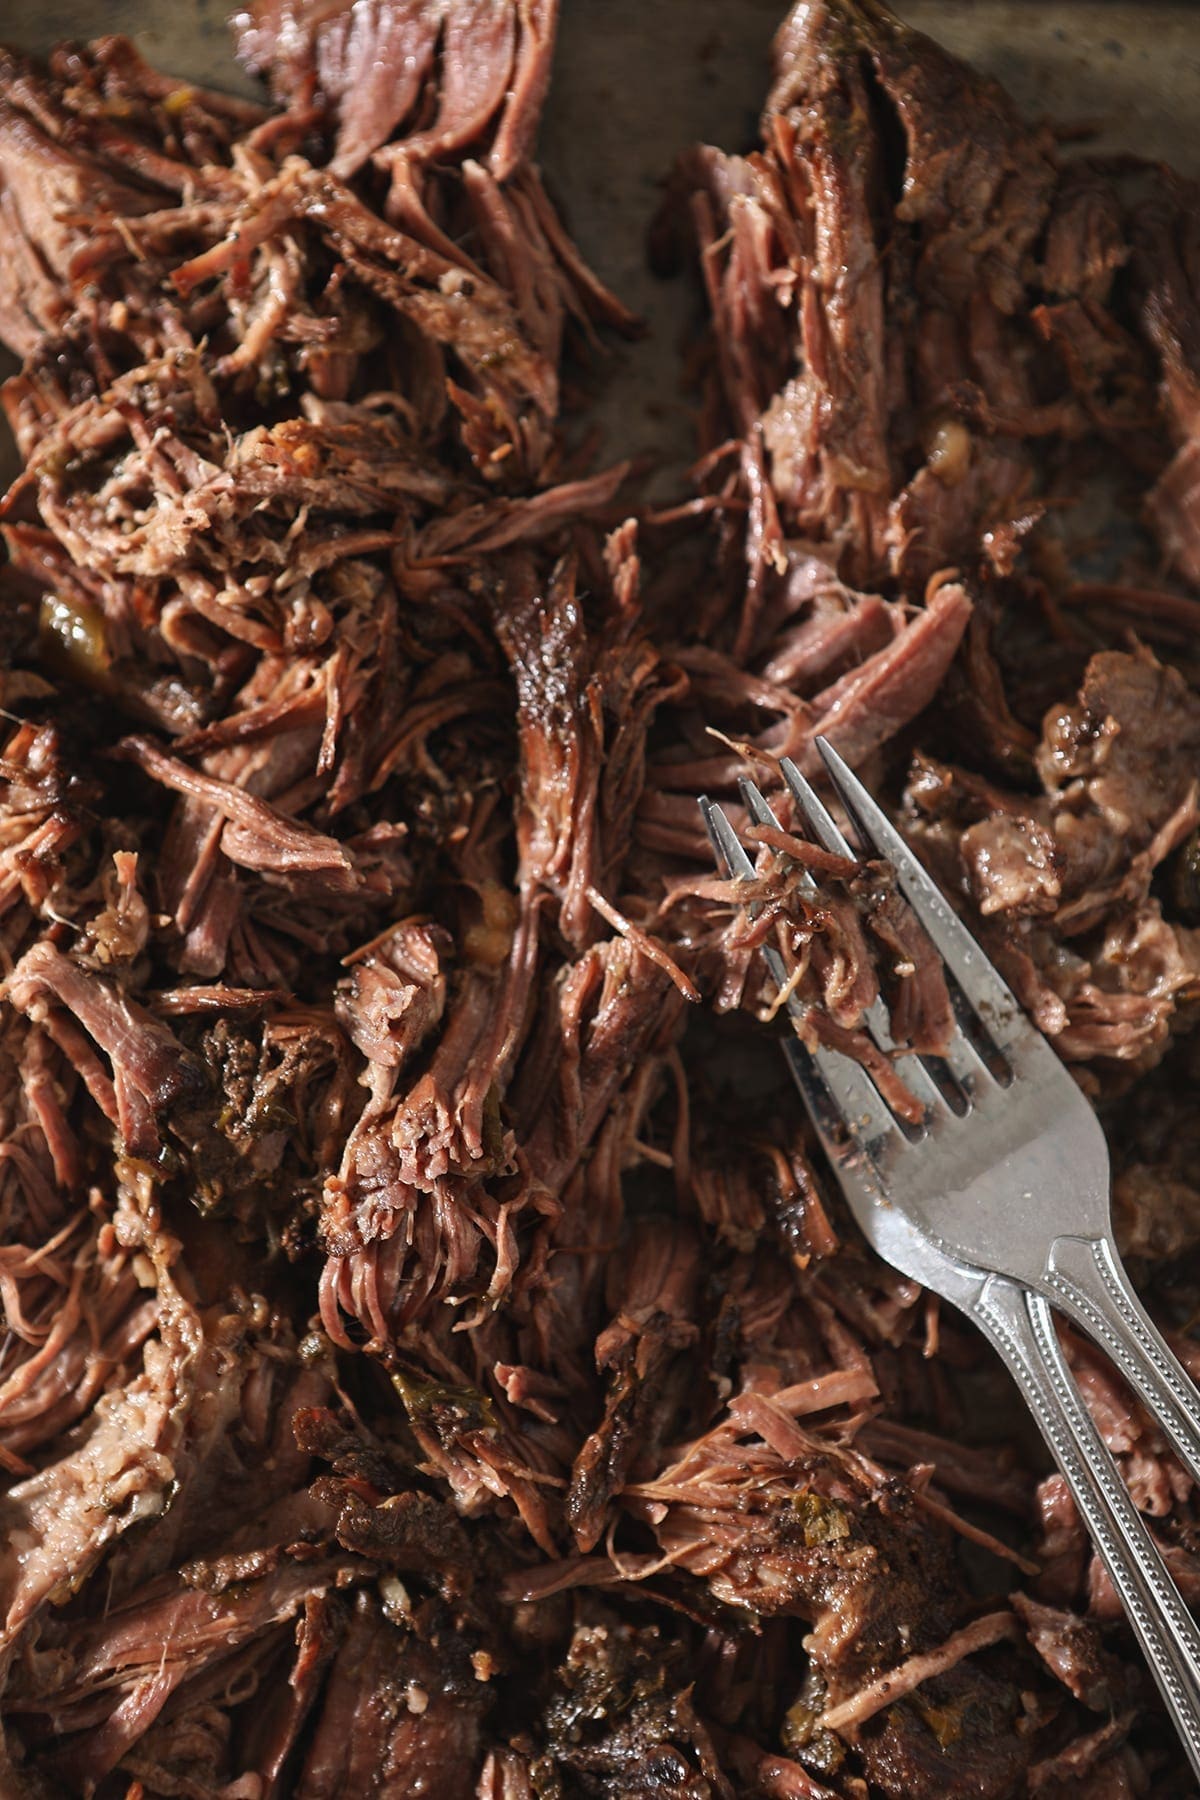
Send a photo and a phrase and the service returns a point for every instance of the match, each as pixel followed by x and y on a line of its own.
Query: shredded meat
pixel 434 1357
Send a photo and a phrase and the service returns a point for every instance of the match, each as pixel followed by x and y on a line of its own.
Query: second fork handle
pixel 1086 1278
pixel 1020 1326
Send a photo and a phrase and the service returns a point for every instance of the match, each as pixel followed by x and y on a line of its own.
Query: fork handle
pixel 1020 1325
pixel 1086 1278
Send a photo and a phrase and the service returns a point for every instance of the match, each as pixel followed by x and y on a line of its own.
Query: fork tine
pixel 816 814
pixel 842 1076
pixel 844 1099
pixel 982 986
pixel 727 845
pixel 731 855
pixel 858 1133
pixel 764 814
pixel 910 1069
pixel 960 1056
pixel 755 802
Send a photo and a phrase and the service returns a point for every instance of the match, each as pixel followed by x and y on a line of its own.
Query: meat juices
pixel 426 1368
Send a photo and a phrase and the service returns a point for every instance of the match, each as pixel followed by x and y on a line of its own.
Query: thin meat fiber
pixel 410 1381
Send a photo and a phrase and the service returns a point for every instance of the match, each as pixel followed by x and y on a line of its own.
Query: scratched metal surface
pixel 637 80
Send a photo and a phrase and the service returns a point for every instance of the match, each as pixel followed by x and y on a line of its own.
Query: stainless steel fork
pixel 999 1202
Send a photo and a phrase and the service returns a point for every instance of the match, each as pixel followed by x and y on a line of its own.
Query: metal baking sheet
pixel 638 80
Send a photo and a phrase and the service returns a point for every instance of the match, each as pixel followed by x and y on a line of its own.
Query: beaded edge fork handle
pixel 1081 1274
pixel 1019 1326
pixel 1016 1322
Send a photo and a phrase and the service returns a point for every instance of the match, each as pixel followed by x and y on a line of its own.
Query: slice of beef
pixel 103 141
pixel 1168 273
pixel 1128 744
pixel 255 836
pixel 78 1322
pixel 50 189
pixel 873 139
pixel 868 706
pixel 150 1068
pixel 275 1729
pixel 776 1520
pixel 125 1658
pixel 1068 877
pixel 368 64
pixel 1071 1648
pixel 396 993
pixel 620 1722
pixel 373 66
pixel 398 1716
pixel 117 1472
pixel 636 1353
pixel 558 697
